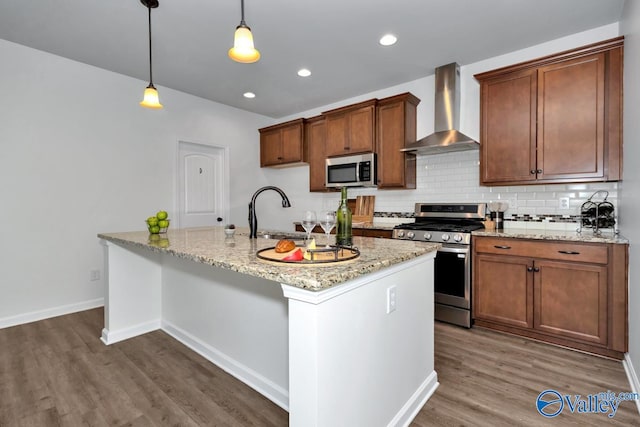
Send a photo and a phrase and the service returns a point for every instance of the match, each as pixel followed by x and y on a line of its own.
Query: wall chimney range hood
pixel 446 138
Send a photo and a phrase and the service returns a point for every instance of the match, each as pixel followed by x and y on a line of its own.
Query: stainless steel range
pixel 450 224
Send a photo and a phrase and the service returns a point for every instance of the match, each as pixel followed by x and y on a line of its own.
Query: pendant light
pixel 243 50
pixel 151 99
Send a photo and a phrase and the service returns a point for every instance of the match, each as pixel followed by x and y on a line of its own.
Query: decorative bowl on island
pixel 229 230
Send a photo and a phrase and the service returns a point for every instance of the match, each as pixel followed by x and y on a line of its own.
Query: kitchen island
pixel 339 344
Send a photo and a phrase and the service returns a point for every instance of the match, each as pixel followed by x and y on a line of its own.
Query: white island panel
pixel 353 362
pixel 237 321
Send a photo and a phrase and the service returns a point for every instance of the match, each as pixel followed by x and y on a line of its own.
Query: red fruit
pixel 294 256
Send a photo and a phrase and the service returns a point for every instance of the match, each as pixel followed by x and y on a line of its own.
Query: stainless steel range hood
pixel 446 138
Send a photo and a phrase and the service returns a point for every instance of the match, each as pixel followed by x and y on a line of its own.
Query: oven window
pixel 449 274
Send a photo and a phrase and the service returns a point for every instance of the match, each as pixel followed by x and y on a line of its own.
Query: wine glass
pixel 327 222
pixel 308 222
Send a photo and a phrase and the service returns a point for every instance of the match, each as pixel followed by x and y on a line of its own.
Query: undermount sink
pixel 280 235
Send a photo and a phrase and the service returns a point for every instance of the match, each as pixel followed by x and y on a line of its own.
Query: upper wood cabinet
pixel 396 127
pixel 382 126
pixel 351 129
pixel 554 119
pixel 315 136
pixel 282 144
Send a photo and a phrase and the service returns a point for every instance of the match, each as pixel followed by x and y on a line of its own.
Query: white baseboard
pixel 34 316
pixel 262 385
pixel 632 377
pixel 111 337
pixel 411 408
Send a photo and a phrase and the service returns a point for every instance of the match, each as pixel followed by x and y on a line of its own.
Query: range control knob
pixel 411 234
pixel 445 237
pixel 400 233
pixel 457 237
pixel 427 236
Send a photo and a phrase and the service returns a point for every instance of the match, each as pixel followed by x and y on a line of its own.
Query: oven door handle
pixel 448 249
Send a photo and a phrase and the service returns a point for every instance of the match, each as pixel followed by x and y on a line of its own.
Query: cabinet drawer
pixel 563 251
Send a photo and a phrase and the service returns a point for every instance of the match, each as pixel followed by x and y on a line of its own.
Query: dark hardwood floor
pixel 57 372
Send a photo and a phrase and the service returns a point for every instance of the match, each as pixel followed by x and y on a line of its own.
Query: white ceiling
pixel 336 39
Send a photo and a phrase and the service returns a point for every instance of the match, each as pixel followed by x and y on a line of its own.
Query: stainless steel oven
pixel 450 224
pixel 452 284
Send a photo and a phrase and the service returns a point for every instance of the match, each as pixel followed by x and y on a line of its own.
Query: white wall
pixel 454 176
pixel 630 27
pixel 80 156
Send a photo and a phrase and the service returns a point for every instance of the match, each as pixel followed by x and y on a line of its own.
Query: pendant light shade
pixel 151 99
pixel 243 49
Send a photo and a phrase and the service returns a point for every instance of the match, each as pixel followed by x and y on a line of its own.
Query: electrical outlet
pixel 94 275
pixel 563 203
pixel 391 299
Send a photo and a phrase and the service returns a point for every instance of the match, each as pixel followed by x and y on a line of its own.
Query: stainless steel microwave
pixel 352 171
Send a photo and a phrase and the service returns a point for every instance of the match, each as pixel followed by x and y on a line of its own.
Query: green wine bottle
pixel 343 219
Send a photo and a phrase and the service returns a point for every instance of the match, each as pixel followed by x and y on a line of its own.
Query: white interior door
pixel 203 185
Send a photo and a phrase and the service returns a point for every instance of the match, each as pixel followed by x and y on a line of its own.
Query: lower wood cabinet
pixel 568 293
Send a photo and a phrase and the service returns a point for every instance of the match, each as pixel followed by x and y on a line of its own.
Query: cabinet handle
pixel 529 269
pixel 536 269
pixel 569 252
pixel 502 247
pixel 539 171
pixel 532 172
pixel 279 158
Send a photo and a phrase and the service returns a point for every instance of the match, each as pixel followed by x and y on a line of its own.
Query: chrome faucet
pixel 253 220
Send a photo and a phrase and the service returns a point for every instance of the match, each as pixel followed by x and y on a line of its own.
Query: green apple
pixel 163 223
pixel 162 215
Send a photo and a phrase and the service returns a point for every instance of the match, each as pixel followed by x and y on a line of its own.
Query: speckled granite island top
pixel 587 236
pixel 210 246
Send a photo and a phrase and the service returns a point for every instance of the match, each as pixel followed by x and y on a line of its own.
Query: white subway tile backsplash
pixel 454 177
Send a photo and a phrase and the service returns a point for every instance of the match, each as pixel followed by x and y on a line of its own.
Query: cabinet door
pixel 351 130
pixel 316 137
pixel 508 123
pixel 503 290
pixel 270 148
pixel 361 129
pixel 570 300
pixel 291 150
pixel 395 124
pixel 571 119
pixel 337 143
pixel 282 144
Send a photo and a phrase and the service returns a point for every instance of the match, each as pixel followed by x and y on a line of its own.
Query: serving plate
pixel 319 256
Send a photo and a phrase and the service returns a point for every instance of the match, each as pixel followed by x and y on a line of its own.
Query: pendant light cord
pixel 150 61
pixel 242 13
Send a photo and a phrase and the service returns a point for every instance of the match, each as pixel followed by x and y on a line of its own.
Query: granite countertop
pixel 210 246
pixel 587 236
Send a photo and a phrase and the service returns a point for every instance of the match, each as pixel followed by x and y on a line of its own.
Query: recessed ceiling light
pixel 388 40
pixel 249 95
pixel 303 72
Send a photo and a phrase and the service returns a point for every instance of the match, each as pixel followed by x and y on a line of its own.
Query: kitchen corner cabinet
pixel 282 144
pixel 568 293
pixel 351 129
pixel 554 119
pixel 396 127
pixel 315 135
